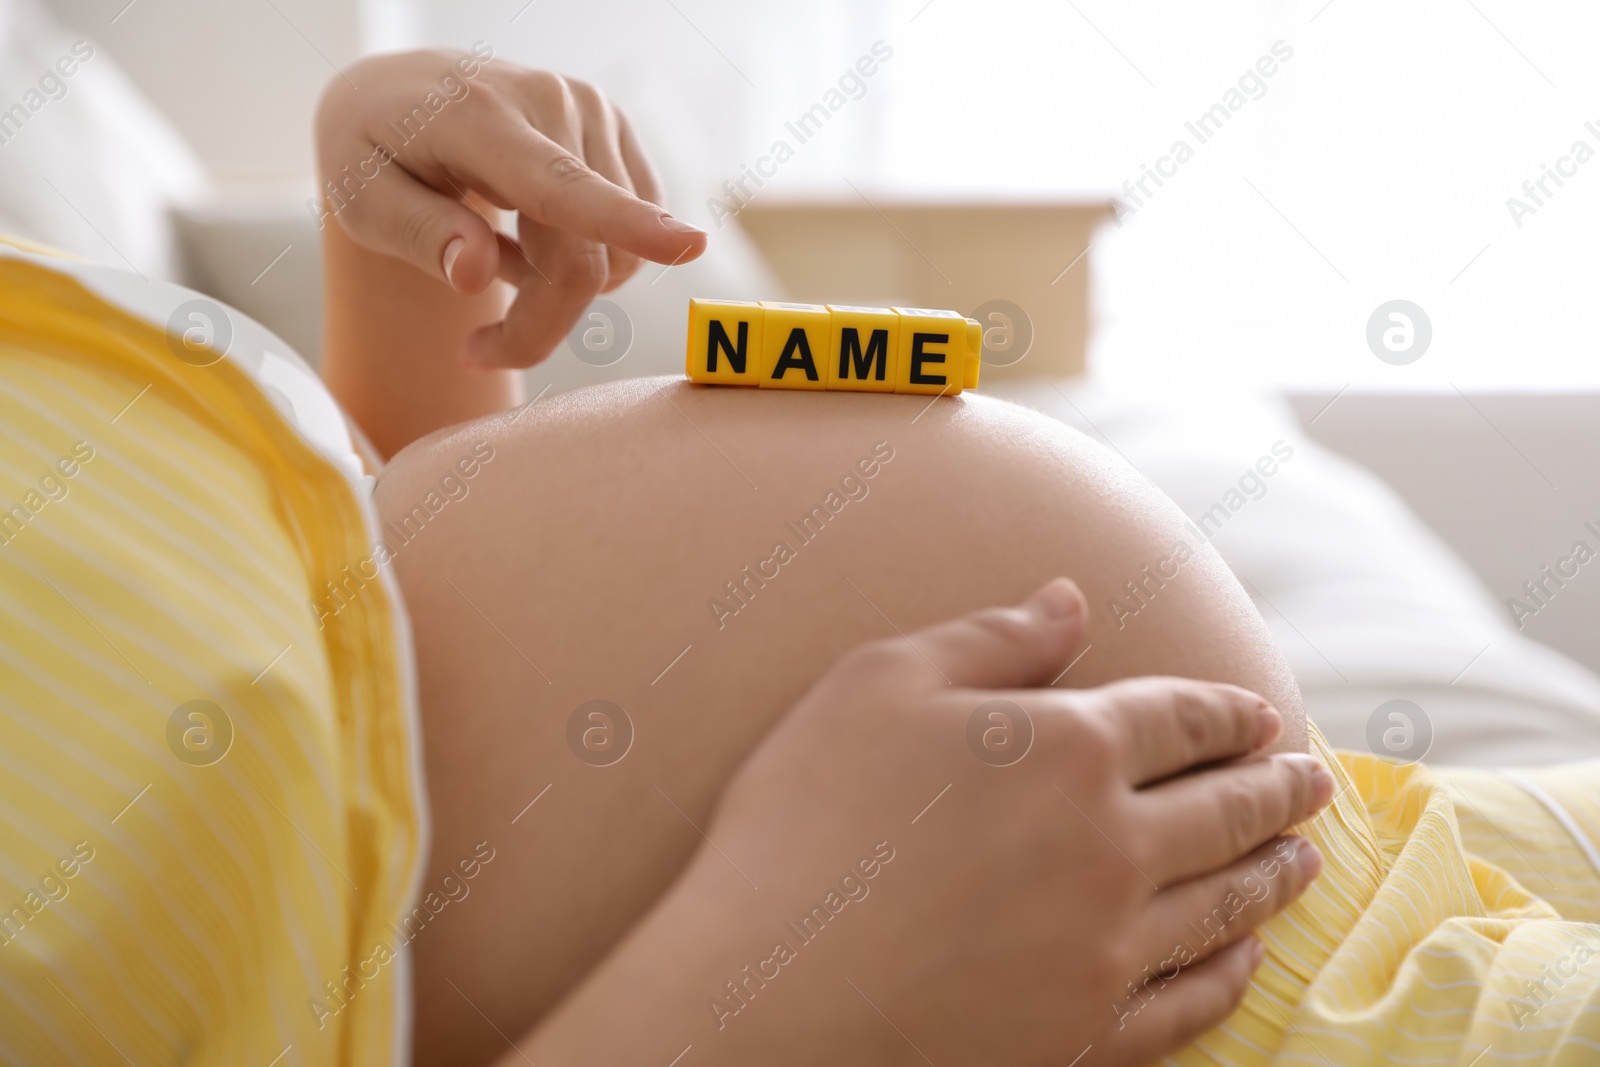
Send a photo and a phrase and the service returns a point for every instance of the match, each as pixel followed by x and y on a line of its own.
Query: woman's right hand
pixel 1132 829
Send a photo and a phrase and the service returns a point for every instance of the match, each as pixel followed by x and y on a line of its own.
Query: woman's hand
pixel 400 155
pixel 1024 898
pixel 907 872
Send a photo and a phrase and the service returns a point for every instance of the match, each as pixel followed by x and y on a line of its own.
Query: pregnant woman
pixel 725 753
pixel 697 558
pixel 618 527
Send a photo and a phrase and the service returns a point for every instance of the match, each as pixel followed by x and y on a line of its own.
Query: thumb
pixel 439 235
pixel 1005 648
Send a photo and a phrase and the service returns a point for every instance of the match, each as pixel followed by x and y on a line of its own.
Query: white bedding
pixel 1368 604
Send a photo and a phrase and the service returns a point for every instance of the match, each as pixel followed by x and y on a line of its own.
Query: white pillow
pixel 1368 604
pixel 90 167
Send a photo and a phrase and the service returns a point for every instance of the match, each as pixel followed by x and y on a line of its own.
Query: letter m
pixel 818 516
pixel 1217 514
pixel 18 115
pixel 818 916
pixel 418 516
pixel 718 338
pixel 18 516
pixel 1211 120
pixel 851 355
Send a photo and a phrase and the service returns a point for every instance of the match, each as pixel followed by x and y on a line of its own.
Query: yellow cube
pixel 794 346
pixel 863 348
pixel 933 351
pixel 724 342
pixel 974 353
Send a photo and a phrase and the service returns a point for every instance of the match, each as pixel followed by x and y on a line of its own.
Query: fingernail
pixel 451 252
pixel 1271 724
pixel 1258 952
pixel 1309 859
pixel 678 225
pixel 1055 599
pixel 1322 786
pixel 1321 778
pixel 1308 765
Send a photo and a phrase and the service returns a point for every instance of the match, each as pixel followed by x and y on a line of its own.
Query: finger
pixel 440 235
pixel 1207 914
pixel 1206 821
pixel 515 266
pixel 996 648
pixel 646 182
pixel 553 187
pixel 1169 725
pixel 567 272
pixel 602 151
pixel 1168 1013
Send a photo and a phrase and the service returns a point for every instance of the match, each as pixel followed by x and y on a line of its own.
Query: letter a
pixel 788 359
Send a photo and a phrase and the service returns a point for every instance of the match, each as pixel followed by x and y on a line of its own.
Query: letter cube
pixel 933 351
pixel 974 353
pixel 725 342
pixel 794 346
pixel 863 349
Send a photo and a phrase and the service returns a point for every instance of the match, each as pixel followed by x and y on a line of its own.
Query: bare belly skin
pixel 674 550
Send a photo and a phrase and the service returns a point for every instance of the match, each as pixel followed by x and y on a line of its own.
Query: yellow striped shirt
pixel 210 803
pixel 1421 942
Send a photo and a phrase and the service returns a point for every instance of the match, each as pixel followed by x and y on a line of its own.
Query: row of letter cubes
pixel 817 346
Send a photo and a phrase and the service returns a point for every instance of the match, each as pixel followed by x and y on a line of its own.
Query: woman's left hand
pixel 400 155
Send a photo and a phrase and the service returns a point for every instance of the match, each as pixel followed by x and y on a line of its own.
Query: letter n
pixel 718 338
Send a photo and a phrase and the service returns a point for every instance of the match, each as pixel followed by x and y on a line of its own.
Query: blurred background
pixel 1374 164
pixel 1379 217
